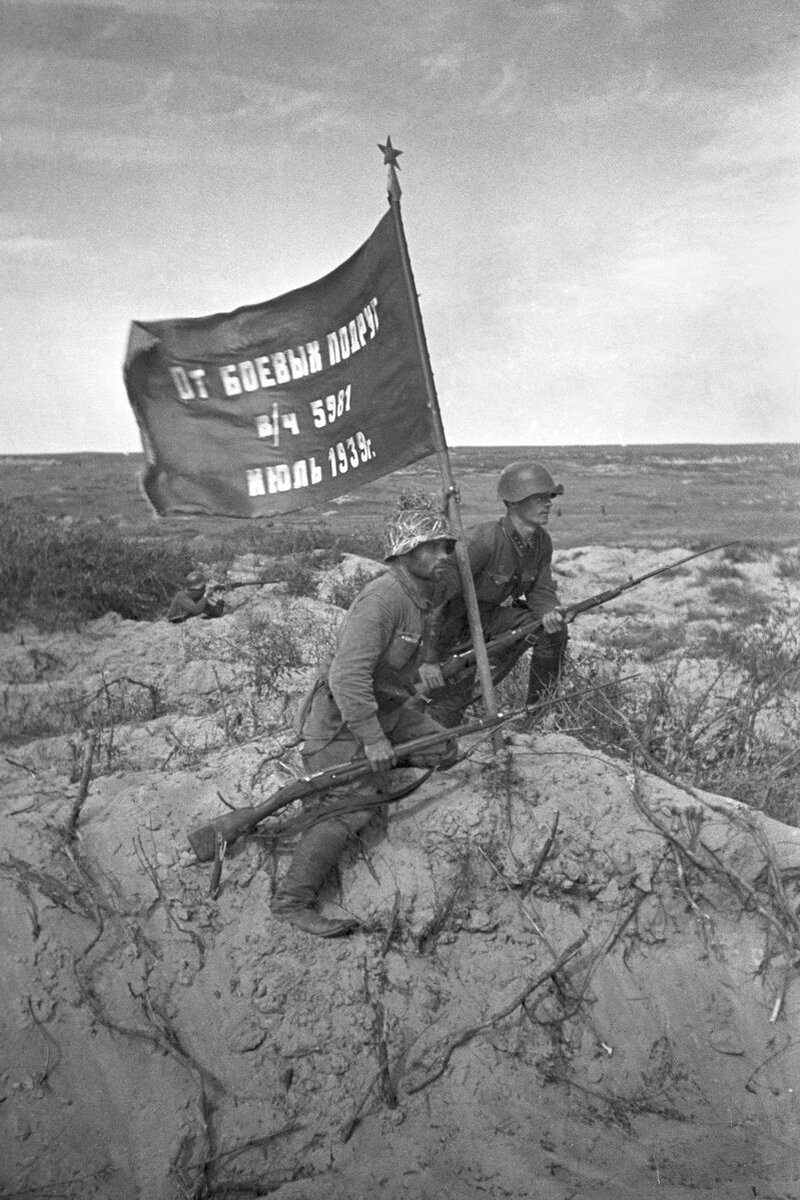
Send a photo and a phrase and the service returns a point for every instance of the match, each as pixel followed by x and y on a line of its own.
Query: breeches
pixel 328 743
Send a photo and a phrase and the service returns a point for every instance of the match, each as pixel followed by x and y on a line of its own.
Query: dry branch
pixel 783 921
pixel 391 926
pixel 49 1066
pixel 467 1034
pixel 83 786
pixel 542 856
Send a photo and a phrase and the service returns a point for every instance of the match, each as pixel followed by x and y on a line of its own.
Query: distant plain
pixel 667 495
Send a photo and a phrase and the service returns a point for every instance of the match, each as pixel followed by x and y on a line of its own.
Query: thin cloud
pixel 25 246
pixel 686 277
pixel 508 95
pixel 641 14
pixel 445 64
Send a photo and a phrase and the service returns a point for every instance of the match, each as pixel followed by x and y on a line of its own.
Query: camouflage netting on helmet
pixel 419 518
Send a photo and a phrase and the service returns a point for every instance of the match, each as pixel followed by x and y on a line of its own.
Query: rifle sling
pixel 304 821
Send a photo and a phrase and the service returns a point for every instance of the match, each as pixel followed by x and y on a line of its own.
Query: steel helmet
pixel 521 479
pixel 413 526
pixel 195 579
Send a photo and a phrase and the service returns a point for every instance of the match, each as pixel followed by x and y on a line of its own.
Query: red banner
pixel 285 404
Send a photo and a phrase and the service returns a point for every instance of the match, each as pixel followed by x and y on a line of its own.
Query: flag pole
pixel 390 155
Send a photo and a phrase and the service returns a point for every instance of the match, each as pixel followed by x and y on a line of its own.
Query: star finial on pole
pixel 390 155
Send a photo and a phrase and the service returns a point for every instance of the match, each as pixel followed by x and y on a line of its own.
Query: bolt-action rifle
pixel 230 584
pixel 233 825
pixel 529 626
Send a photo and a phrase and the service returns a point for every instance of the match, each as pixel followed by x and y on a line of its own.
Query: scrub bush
pixel 722 569
pixel 745 604
pixel 58 575
pixel 651 640
pixel 745 552
pixel 788 565
pixel 733 728
pixel 286 540
pixel 344 591
pixel 265 650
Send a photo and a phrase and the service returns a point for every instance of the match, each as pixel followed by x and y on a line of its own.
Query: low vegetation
pixel 723 715
pixel 719 708
pixel 344 591
pixel 317 541
pixel 58 573
pixel 788 565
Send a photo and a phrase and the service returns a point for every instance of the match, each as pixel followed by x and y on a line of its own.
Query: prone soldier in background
pixel 510 564
pixel 197 598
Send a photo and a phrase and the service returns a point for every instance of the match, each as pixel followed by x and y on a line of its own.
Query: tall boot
pixel 545 666
pixel 315 855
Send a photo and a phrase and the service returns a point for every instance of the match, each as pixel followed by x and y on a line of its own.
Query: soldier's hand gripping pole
pixel 529 626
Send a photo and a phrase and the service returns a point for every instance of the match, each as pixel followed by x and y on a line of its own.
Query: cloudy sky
pixel 601 200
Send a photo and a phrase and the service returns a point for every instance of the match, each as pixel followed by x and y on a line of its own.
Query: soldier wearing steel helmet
pixel 359 704
pixel 195 599
pixel 510 561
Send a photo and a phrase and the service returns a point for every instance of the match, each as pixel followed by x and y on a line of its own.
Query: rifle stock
pixel 529 625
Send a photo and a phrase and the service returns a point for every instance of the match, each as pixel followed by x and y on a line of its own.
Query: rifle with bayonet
pixel 233 825
pixel 530 626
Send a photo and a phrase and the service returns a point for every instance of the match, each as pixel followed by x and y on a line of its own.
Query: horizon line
pixel 454 446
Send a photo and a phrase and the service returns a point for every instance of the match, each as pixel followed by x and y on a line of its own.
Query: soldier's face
pixel 423 560
pixel 535 509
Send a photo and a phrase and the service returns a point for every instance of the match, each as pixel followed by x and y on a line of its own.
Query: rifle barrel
pixel 670 566
pixel 529 625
